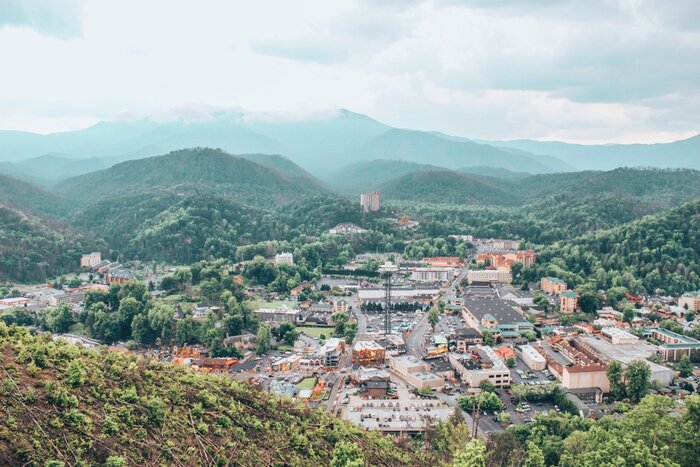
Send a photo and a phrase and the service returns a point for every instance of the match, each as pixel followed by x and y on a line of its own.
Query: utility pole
pixel 386 270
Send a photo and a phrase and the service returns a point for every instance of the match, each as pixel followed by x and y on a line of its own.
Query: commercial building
pixel 278 315
pixel 493 276
pixel 368 353
pixel 553 285
pixel 15 301
pixel 398 293
pixel 284 258
pixel 568 301
pixel 432 274
pixel 690 301
pixel 498 243
pixel 482 364
pixel 347 228
pixel 370 202
pixel 674 345
pixel 466 337
pixel 503 261
pixel 619 337
pixel 91 259
pixel 625 353
pixel 497 316
pixel 415 372
pixel 443 262
pixel 532 358
pixel 577 364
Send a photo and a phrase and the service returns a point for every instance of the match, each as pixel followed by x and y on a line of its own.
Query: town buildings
pixel 673 345
pixel 568 301
pixel 503 261
pixel 443 262
pixel 497 316
pixel 284 258
pixel 553 285
pixel 91 259
pixel 370 202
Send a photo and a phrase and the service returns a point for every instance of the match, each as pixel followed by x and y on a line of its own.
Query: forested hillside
pixel 656 252
pixel 27 197
pixel 60 403
pixel 33 249
pixel 448 187
pixel 190 171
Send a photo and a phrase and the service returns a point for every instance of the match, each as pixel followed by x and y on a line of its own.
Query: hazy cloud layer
pixel 592 71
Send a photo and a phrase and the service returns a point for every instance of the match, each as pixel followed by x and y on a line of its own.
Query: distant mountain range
pixel 320 144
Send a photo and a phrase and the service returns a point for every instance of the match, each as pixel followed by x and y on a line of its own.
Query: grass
pixel 316 331
pixel 306 383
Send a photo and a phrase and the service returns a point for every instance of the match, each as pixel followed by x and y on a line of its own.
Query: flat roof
pixel 502 310
pixel 367 345
pixel 532 353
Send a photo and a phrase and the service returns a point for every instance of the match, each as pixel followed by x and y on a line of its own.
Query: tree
pixel 628 314
pixel 487 386
pixel 685 366
pixel 534 457
pixel 541 300
pixel 511 363
pixel 488 338
pixel 617 386
pixel 689 315
pixel 262 340
pixel 434 317
pixel 637 377
pixel 60 319
pixel 473 455
pixel 347 454
pixel 488 401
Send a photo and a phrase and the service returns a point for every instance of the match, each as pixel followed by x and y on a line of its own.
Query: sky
pixel 593 71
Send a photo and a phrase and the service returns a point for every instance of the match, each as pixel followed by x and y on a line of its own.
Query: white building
pixel 90 259
pixel 432 274
pixel 489 275
pixel 284 258
pixel 415 372
pixel 347 228
pixel 532 358
pixel 618 336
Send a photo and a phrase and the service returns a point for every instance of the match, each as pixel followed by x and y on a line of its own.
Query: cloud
pixel 59 18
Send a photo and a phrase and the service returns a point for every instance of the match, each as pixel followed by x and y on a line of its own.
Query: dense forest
pixel 204 204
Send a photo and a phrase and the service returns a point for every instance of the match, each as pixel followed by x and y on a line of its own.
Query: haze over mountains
pixel 319 144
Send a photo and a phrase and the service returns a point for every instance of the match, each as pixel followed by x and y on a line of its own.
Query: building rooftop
pixel 501 310
pixel 532 353
pixel 556 280
pixel 367 345
pixel 569 294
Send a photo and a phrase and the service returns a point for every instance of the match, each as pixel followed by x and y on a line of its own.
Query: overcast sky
pixel 584 71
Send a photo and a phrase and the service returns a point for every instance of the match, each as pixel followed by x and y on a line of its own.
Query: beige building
pixel 91 259
pixel 432 274
pixel 370 202
pixel 553 285
pixel 482 365
pixel 568 301
pixel 489 275
pixel 277 315
pixel 415 372
pixel 532 358
pixel 690 301
pixel 284 258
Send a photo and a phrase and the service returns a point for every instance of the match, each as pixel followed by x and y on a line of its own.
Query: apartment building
pixel 568 301
pixel 370 202
pixel 553 285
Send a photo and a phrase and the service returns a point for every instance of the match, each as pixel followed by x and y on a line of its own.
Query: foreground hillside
pixel 59 402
